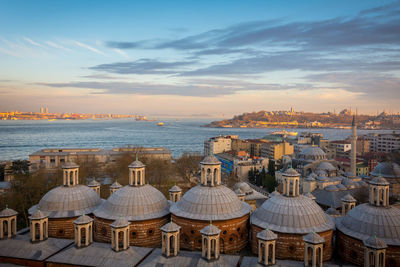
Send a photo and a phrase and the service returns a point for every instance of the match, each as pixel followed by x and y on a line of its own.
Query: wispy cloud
pixel 52 44
pixel 143 66
pixel 95 50
pixel 32 42
pixel 120 52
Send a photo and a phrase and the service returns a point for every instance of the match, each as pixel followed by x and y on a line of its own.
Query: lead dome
pixel 144 208
pixel 212 201
pixel 68 201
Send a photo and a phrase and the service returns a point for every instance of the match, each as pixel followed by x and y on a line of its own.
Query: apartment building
pixel 219 144
pixel 385 143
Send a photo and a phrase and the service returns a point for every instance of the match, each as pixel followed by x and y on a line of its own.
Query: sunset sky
pixel 199 57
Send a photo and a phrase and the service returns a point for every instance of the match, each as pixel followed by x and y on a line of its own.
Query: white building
pixel 219 144
pixel 384 142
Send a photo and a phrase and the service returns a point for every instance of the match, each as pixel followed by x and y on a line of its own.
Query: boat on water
pixel 51 119
pixel 160 124
pixel 285 133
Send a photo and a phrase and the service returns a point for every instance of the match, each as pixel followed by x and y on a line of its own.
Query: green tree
pixel 270 183
pixel 271 167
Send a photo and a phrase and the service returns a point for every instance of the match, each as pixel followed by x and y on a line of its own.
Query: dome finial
pixel 136 156
pixel 210 222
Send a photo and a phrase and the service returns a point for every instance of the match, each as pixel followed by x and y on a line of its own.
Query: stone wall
pixel 142 233
pixel 233 236
pixel 291 246
pixel 62 228
pixel 352 250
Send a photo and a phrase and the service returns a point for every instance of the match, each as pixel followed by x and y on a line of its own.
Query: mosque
pixel 209 225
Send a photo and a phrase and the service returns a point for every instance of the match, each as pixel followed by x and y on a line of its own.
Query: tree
pixel 252 176
pixel 270 183
pixel 271 167
pixel 187 165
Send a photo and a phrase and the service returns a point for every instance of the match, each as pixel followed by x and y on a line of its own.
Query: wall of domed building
pixel 62 228
pixel 141 233
pixel 233 236
pixel 352 250
pixel 291 246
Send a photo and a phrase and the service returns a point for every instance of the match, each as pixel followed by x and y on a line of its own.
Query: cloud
pixel 33 42
pixel 95 50
pixel 199 88
pixel 371 84
pixel 143 66
pixel 57 46
pixel 122 53
pixel 124 45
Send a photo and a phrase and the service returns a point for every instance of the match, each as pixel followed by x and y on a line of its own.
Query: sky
pixel 199 58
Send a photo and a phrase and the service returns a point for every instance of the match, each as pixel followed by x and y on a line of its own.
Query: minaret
pixel 353 153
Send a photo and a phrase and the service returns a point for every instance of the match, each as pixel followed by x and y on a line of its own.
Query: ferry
pixel 285 133
pixel 160 124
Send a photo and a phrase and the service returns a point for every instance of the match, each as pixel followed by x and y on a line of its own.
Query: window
pixel 133 234
pixel 292 248
pixel 192 232
pixel 151 232
pixel 224 232
pixel 103 231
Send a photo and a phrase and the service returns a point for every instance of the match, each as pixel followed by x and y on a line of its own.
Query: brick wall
pixel 291 246
pixel 352 250
pixel 233 236
pixel 143 233
pixel 62 228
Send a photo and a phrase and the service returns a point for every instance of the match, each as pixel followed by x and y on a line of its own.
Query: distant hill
pixel 290 119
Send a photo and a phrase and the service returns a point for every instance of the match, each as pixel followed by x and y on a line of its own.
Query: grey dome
pixel 326 166
pixel 84 219
pixel 175 188
pixel 7 212
pixel 267 235
pixel 290 172
pixel 387 169
pixel 38 215
pixel 210 160
pixel 170 227
pixel 70 165
pixel 115 185
pixel 348 198
pixel 135 203
pixel 313 238
pixel 365 219
pixel 94 183
pixel 299 215
pixel 120 223
pixel 244 187
pixel 379 181
pixel 136 164
pixel 210 230
pixel 312 153
pixel 68 201
pixel 331 188
pixel 210 203
pixel 374 242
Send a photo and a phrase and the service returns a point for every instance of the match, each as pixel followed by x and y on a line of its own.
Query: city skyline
pixel 199 58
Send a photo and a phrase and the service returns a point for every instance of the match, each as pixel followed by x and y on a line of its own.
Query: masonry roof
pixel 298 215
pixel 68 201
pixel 135 203
pixel 210 203
pixel 364 220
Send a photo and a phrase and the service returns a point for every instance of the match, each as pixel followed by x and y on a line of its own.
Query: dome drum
pixel 141 233
pixel 291 246
pixel 233 235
